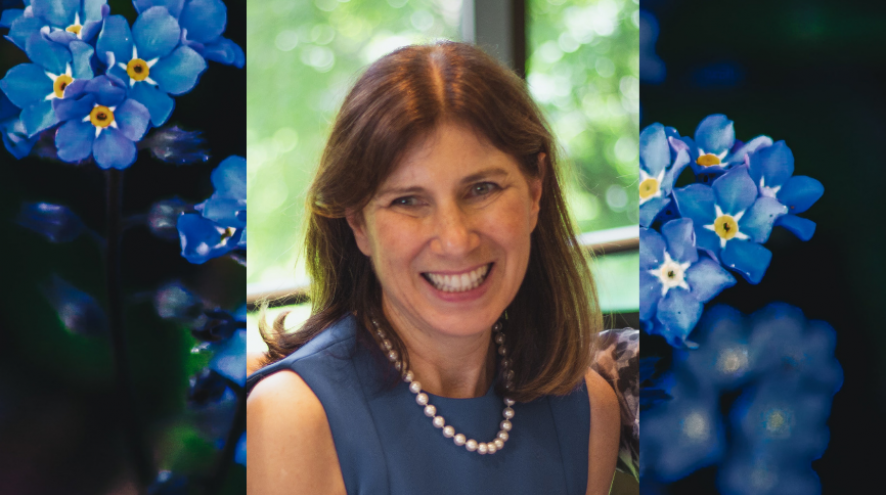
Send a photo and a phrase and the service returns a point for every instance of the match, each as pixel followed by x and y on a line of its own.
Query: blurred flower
pixel 771 169
pixel 163 216
pixel 730 221
pixel 675 282
pixel 203 23
pixel 219 326
pixel 240 455
pixel 79 312
pixel 55 222
pixel 760 473
pixel 652 390
pixel 723 358
pixel 33 87
pixel 660 165
pixel 99 120
pixel 715 150
pixel 229 358
pixel 16 139
pixel 62 20
pixel 175 302
pixel 171 144
pixel 205 387
pixel 150 58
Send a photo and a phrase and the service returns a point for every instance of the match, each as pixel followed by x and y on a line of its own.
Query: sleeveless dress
pixel 386 445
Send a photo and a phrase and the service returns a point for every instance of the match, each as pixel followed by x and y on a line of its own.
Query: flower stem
pixel 215 485
pixel 141 462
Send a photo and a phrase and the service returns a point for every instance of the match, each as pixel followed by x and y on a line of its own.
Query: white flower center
pixel 671 274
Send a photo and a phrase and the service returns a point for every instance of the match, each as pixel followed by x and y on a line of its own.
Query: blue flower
pixel 61 20
pixel 33 87
pixel 675 282
pixel 715 150
pixel 16 139
pixel 731 220
pixel 229 359
pixel 55 222
pixel 660 165
pixel 771 169
pixel 79 312
pixel 150 58
pixel 203 22
pixel 99 121
pixel 240 455
pixel 221 225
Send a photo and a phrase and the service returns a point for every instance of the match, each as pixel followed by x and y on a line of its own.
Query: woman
pixel 445 274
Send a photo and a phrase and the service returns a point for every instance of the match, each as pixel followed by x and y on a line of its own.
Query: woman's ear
pixel 535 188
pixel 358 226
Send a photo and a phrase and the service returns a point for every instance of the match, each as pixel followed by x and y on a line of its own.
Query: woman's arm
pixel 605 433
pixel 289 445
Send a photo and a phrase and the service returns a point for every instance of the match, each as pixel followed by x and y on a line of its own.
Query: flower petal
pixel 15 139
pixel 22 29
pixel 9 16
pixel 696 201
pixel 75 104
pixel 132 118
pixel 224 51
pixel 52 56
pixel 715 134
pixel 740 155
pixel 652 249
pixel 650 293
pixel 201 239
pixel 92 10
pixel 773 163
pixel 81 53
pixel 735 190
pixel 800 193
pixel 650 209
pixel 74 141
pixel 26 84
pixel 708 242
pixel 680 237
pixel 59 13
pixel 655 154
pixel 158 103
pixel 204 19
pixel 678 312
pixel 114 150
pixel 173 6
pixel 106 90
pixel 707 279
pixel 178 73
pixel 749 259
pixel 803 228
pixel 115 37
pixel 155 33
pixel 757 222
pixel 38 117
pixel 229 178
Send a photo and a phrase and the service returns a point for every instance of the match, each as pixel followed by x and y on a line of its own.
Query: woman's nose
pixel 455 235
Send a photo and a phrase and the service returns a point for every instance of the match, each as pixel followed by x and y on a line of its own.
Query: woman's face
pixel 448 233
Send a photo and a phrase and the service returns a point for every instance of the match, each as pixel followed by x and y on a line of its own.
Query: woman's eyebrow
pixel 400 190
pixel 485 174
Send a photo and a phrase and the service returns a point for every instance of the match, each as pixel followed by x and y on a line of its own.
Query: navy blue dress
pixel 386 445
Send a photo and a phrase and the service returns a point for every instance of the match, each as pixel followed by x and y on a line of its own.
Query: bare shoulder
pixel 605 434
pixel 289 445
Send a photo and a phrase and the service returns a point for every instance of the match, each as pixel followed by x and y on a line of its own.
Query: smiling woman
pixel 446 273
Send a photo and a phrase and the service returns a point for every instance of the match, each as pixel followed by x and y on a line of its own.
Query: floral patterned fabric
pixel 617 360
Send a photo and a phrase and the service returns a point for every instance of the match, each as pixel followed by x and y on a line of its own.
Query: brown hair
pixel 401 98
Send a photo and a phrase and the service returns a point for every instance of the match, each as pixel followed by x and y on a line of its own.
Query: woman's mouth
pixel 460 282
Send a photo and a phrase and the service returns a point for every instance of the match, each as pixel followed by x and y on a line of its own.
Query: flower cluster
pixel 691 235
pixel 100 84
pixel 782 367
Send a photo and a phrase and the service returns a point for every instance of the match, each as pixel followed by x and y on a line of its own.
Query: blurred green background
pixel 303 57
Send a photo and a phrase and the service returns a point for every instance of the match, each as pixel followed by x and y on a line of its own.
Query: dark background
pixel 812 73
pixel 59 422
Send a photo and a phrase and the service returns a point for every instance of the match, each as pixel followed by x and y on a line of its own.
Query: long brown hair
pixel 401 98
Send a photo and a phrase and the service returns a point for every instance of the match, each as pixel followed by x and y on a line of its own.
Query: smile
pixel 459 282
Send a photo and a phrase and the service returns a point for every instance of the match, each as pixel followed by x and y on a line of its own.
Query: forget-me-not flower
pixel 61 20
pixel 659 167
pixel 150 59
pixel 713 149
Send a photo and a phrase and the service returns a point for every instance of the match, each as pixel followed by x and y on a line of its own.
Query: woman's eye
pixel 483 188
pixel 404 201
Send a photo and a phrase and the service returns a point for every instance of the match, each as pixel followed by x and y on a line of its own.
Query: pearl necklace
pixel 430 411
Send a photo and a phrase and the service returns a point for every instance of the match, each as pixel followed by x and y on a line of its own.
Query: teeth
pixel 459 283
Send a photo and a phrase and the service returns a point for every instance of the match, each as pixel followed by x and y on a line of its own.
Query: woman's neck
pixel 455 366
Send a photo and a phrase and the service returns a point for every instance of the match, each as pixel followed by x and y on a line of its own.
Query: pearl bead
pixel 496 327
pixel 392 356
pixel 408 377
pixel 506 425
pixel 458 439
pixel 502 351
pixel 421 399
pixel 503 436
pixel 482 449
pixel 505 363
pixel 439 422
pixel 499 443
pixel 500 338
pixel 415 387
pixel 387 343
pixel 491 447
pixel 509 402
pixel 398 365
pixel 508 413
pixel 430 411
pixel 448 431
pixel 509 375
pixel 471 445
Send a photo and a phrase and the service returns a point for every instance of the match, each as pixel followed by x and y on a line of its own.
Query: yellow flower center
pixel 74 28
pixel 138 69
pixel 648 188
pixel 726 227
pixel 227 234
pixel 708 159
pixel 61 82
pixel 101 116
